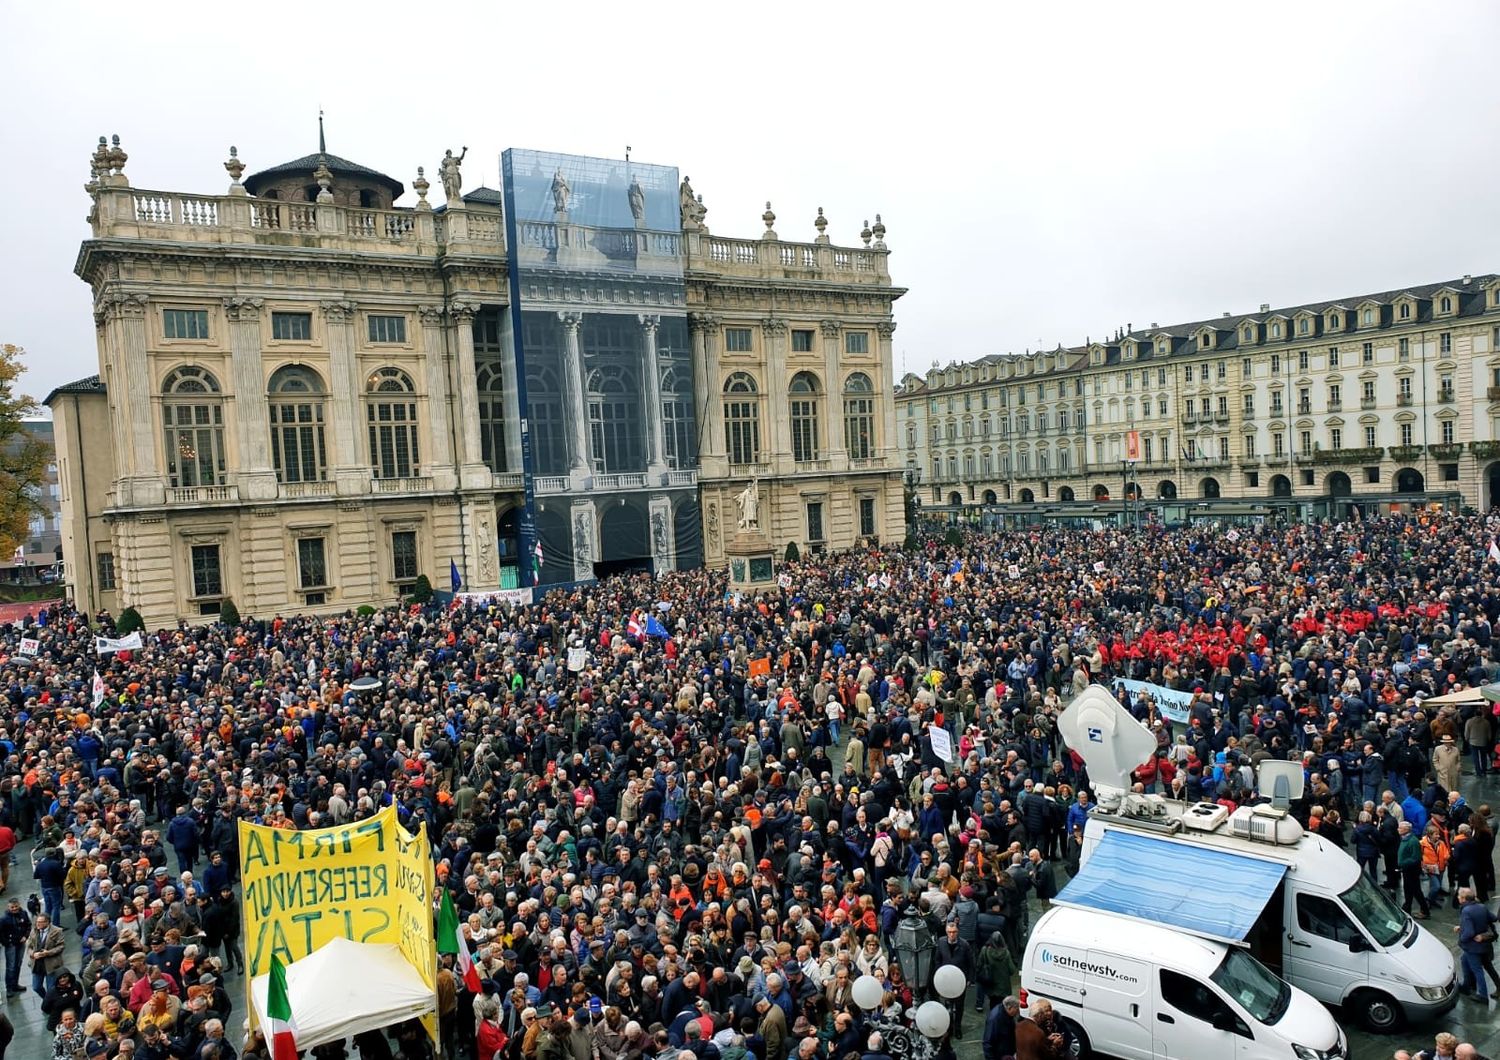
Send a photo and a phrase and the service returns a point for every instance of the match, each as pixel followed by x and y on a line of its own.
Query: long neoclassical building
pixel 309 394
pixel 1370 401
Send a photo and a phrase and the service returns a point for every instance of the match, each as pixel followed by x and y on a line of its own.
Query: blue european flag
pixel 457 582
pixel 655 628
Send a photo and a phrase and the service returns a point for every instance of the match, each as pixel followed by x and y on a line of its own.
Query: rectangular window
pixel 106 565
pixel 737 340
pixel 1278 443
pixel 1304 439
pixel 207 578
pixel 1367 390
pixel 1336 438
pixel 1249 404
pixel 1447 432
pixel 856 342
pixel 1275 364
pixel 312 569
pixel 1302 358
pixel 1404 386
pixel 1145 449
pixel 1224 448
pixel 1252 479
pixel 1367 353
pixel 387 328
pixel 1335 395
pixel 867 513
pixel 1308 476
pixel 1403 349
pixel 404 555
pixel 802 341
pixel 1449 472
pixel 1245 368
pixel 1333 356
pixel 185 323
pixel 291 327
pixel 1250 445
pixel 1370 437
pixel 814 521
pixel 1203 373
pixel 1406 434
pixel 1372 474
pixel 1223 369
pixel 1445 342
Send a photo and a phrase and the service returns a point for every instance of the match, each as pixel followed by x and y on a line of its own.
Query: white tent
pixel 345 988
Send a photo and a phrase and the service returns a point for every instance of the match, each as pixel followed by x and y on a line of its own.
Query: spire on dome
pixel 322 144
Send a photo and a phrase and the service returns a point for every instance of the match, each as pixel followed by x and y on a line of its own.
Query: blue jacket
pixel 1474 919
pixel 1412 810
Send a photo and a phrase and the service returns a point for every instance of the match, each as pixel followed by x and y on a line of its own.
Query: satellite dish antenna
pixel 1111 742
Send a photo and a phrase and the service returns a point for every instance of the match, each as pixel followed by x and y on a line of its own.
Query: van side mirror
pixel 1225 1021
pixel 1359 944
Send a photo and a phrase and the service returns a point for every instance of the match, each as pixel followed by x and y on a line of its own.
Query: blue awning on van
pixel 1201 890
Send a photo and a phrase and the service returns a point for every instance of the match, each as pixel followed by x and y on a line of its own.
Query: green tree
pixel 421 592
pixel 228 613
pixel 129 621
pixel 23 456
pixel 792 555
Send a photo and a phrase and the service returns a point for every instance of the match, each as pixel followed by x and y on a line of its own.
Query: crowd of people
pixel 691 846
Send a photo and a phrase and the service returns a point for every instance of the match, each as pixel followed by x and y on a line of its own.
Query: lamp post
pixel 914 950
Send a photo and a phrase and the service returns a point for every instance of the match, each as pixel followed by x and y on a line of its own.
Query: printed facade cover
pixel 1213 893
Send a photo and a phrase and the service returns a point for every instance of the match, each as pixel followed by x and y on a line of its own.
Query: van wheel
pixel 1379 1012
pixel 1081 1048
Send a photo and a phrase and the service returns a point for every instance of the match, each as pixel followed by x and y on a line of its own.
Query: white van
pixel 1253 877
pixel 1143 992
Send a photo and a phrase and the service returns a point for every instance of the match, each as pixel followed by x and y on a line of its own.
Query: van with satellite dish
pixel 1252 878
pixel 1143 992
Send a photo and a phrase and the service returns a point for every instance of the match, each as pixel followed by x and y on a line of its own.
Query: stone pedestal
pixel 752 560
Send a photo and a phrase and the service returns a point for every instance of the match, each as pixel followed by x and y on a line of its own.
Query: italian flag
pixel 451 940
pixel 283 1029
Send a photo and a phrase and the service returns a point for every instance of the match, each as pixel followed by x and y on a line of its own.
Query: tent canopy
pixel 346 988
pixel 1208 892
pixel 1463 695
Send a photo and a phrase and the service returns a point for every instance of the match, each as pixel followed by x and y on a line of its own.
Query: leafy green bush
pixel 129 621
pixel 365 611
pixel 228 613
pixel 792 555
pixel 953 538
pixel 422 592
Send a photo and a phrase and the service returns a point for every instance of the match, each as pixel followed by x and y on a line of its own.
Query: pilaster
pixel 580 470
pixel 663 548
pixel 833 331
pixel 140 477
pixel 886 386
pixel 707 388
pixel 252 427
pixel 656 440
pixel 351 463
pixel 779 413
pixel 584 520
pixel 472 470
pixel 439 440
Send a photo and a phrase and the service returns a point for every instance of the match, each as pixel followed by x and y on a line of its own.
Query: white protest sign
pixel 1013 570
pixel 578 657
pixel 108 645
pixel 30 646
pixel 1099 567
pixel 942 742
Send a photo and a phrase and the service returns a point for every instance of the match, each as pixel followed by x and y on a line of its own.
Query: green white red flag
pixel 450 939
pixel 283 1028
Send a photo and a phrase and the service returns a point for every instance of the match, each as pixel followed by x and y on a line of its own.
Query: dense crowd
pixel 696 843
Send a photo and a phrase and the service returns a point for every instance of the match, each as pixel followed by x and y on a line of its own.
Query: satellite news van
pixel 1143 992
pixel 1251 878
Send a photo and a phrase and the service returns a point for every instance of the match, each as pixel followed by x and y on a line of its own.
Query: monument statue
pixel 560 192
pixel 692 210
pixel 748 501
pixel 450 176
pixel 637 200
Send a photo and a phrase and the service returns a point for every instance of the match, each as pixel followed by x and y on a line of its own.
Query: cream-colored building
pixel 306 399
pixel 1388 399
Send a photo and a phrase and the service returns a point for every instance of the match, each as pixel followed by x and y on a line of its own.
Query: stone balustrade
pixel 776 259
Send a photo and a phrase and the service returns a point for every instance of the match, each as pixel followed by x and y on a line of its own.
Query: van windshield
pixel 1376 911
pixel 1253 986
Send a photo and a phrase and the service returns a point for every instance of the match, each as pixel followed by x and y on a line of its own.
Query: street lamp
pixel 914 949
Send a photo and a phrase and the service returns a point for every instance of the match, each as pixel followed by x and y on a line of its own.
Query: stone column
pixel 707 393
pixel 438 443
pixel 251 411
pixel 580 469
pixel 885 387
pixel 663 548
pixel 778 412
pixel 656 438
pixel 584 524
pixel 131 396
pixel 834 384
pixel 472 470
pixel 351 463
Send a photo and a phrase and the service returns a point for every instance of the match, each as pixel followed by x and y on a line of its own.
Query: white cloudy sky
pixel 1046 171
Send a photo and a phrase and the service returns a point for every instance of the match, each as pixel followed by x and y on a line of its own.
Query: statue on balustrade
pixel 637 200
pixel 691 205
pixel 560 192
pixel 449 173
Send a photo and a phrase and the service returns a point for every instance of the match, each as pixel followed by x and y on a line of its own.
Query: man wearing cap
pixel 552 1040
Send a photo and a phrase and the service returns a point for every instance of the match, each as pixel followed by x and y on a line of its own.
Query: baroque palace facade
pixel 1369 402
pixel 309 396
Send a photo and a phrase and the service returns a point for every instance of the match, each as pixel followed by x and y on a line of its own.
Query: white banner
pixel 942 742
pixel 30 646
pixel 577 658
pixel 98 690
pixel 508 597
pixel 108 645
pixel 784 580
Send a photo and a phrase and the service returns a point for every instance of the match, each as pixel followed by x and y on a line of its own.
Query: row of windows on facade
pixel 742 413
pixel 1190 373
pixel 1207 406
pixel 742 340
pixel 313 582
pixel 1154 450
pixel 391 328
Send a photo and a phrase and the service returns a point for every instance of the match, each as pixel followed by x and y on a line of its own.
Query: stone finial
pixel 879 232
pixel 117 157
pixel 821 224
pixel 865 232
pixel 235 167
pixel 769 217
pixel 98 165
pixel 325 182
pixel 420 186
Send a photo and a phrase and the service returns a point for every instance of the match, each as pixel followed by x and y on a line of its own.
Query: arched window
pixel 491 382
pixel 859 416
pixel 391 412
pixel 677 417
pixel 614 408
pixel 804 409
pixel 192 414
pixel 742 419
pixel 297 398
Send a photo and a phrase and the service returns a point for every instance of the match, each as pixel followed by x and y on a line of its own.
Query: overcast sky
pixel 1046 171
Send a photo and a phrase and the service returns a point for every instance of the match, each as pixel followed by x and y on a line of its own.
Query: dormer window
pixel 1446 304
pixel 1404 311
pixel 1161 345
pixel 1248 334
pixel 1275 331
pixel 1367 318
pixel 1334 320
pixel 1205 340
pixel 1302 326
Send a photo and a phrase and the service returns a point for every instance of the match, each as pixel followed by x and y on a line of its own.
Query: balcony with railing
pixel 303 490
pixel 203 494
pixel 1367 403
pixel 549 485
pixel 505 480
pixel 410 484
pixel 776 259
pixel 682 479
pixel 1404 399
pixel 1445 395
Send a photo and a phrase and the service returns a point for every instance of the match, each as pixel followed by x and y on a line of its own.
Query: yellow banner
pixel 367 881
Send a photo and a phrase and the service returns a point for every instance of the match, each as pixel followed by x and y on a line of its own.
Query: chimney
pixel 1153 325
pixel 1226 313
pixel 1467 278
pixel 1265 307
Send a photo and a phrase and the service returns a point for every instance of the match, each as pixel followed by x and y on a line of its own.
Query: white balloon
pixel 867 992
pixel 949 981
pixel 932 1018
